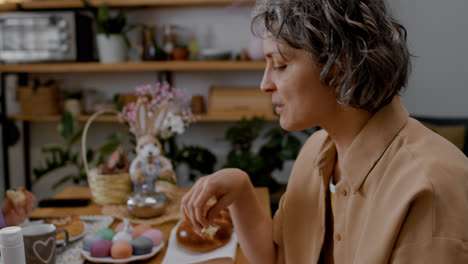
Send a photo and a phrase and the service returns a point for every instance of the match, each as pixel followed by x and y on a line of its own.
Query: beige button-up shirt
pixel 403 197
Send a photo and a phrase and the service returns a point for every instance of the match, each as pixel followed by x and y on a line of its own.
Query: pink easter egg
pixel 139 229
pixel 155 235
pixel 101 248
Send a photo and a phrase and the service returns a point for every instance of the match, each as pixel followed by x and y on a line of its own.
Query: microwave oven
pixel 45 36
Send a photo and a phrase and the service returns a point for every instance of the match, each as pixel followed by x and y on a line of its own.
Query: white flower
pixel 171 125
pixel 177 125
pixel 167 122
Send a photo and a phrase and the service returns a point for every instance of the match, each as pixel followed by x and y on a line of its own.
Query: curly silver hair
pixel 360 48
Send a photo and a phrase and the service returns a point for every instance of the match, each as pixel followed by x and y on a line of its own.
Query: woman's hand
pixel 226 186
pixel 16 213
pixel 253 224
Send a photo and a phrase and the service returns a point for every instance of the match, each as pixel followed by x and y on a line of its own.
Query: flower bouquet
pixel 178 118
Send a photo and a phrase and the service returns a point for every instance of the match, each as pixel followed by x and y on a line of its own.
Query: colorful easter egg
pixel 121 250
pixel 89 239
pixel 101 248
pixel 139 229
pixel 141 245
pixel 155 235
pixel 105 233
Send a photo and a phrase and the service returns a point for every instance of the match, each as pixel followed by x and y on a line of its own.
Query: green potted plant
pixel 112 41
pixel 277 147
pixel 180 52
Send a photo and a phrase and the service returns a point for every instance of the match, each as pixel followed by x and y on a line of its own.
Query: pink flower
pixel 178 99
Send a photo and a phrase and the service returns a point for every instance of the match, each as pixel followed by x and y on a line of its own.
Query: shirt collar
pixel 364 153
pixel 372 141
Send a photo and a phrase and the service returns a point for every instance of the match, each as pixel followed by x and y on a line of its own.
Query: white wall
pixel 438 37
pixel 437 87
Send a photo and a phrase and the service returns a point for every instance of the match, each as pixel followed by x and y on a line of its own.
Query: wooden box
pixel 43 100
pixel 240 102
pixel 125 99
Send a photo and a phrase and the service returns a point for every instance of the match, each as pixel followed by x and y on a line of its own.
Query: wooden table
pixel 95 209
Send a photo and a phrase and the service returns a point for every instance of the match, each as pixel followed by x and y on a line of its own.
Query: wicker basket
pixel 44 100
pixel 105 189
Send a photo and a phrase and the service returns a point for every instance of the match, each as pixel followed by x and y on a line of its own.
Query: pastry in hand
pixel 16 196
pixel 216 235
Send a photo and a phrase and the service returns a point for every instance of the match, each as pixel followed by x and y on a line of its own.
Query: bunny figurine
pixel 149 163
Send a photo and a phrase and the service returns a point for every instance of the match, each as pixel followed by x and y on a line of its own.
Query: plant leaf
pixel 110 145
pixel 103 18
pixel 68 127
pixel 88 6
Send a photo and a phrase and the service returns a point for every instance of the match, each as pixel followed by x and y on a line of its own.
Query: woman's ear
pixel 141 118
pixel 158 119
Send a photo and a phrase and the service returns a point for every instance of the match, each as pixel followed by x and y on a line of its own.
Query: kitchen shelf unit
pixel 89 67
pixel 29 5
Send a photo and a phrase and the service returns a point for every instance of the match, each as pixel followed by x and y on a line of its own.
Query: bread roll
pixel 189 239
pixel 16 196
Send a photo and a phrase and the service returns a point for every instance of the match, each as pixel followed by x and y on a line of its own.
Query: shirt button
pixel 338 237
pixel 344 192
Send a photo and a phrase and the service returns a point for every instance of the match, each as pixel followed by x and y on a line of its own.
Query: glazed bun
pixel 16 196
pixel 221 227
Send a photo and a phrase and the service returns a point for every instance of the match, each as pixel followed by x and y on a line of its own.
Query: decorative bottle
pixel 12 246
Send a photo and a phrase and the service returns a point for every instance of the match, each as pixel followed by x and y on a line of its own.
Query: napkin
pixel 177 254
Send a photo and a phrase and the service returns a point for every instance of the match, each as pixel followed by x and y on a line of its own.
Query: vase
pixel 111 48
pixel 73 106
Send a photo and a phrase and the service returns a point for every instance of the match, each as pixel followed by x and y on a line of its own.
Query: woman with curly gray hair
pixel 374 185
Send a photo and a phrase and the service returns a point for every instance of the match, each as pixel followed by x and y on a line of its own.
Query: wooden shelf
pixel 54 118
pixel 69 4
pixel 228 117
pixel 4 7
pixel 134 66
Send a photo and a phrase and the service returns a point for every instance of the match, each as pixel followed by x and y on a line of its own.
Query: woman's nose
pixel 267 85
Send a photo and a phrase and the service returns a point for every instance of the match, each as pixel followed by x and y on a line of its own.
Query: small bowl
pixel 146 204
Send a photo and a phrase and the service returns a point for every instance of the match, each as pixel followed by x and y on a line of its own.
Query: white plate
pixel 73 239
pixel 87 256
pixel 175 253
pixel 87 220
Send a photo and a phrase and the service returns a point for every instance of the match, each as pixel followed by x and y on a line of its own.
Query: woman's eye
pixel 279 68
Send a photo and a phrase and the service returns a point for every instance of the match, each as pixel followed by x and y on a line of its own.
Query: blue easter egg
pixel 88 240
pixel 141 245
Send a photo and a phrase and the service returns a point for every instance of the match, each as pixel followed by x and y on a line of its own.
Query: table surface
pixel 95 209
